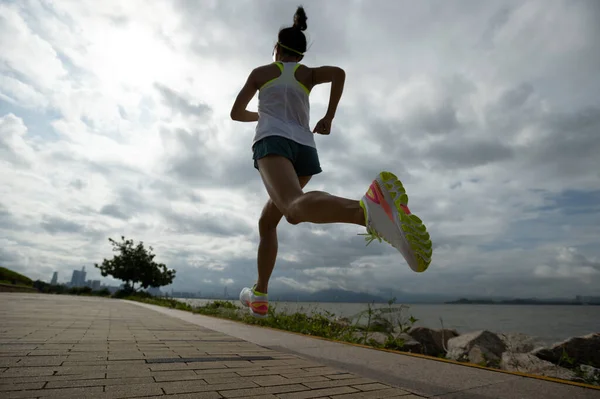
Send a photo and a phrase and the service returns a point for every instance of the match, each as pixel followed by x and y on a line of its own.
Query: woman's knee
pixel 269 218
pixel 293 212
pixel 272 215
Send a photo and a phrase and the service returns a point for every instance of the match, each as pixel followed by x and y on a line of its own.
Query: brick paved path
pixel 81 347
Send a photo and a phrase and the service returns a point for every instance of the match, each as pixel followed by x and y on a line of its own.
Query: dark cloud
pixel 178 103
pixel 78 184
pixel 573 144
pixel 114 211
pixel 8 257
pixel 56 225
pixel 219 224
pixel 437 120
pixel 515 98
pixel 468 154
pixel 496 22
pixel 171 190
pixel 190 160
pixel 7 220
pixel 60 225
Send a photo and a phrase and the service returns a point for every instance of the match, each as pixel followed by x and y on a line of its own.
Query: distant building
pixel 78 278
pixel 54 278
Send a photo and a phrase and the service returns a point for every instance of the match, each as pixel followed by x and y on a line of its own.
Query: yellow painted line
pixel 418 355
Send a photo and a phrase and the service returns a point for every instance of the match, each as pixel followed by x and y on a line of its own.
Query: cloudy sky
pixel 114 120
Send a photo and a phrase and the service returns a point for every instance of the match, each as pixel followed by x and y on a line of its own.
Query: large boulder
pixel 434 342
pixel 530 364
pixel 573 352
pixel 519 343
pixel 408 343
pixel 378 337
pixel 479 347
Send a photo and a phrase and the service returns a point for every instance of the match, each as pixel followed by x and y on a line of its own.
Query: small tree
pixel 135 264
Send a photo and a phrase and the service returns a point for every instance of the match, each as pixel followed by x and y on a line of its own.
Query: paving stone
pixel 26 371
pixel 99 382
pixel 271 380
pixel 379 394
pixel 195 395
pixel 370 387
pixel 55 393
pixel 10 360
pixel 338 383
pixel 244 393
pixel 133 390
pixel 47 352
pixel 317 393
pixel 71 377
pixel 181 375
pixel 168 366
pixel 20 386
pixel 132 373
pixel 199 386
pixel 341 376
pixel 14 353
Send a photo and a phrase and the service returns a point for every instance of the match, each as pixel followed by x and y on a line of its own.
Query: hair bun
pixel 300 19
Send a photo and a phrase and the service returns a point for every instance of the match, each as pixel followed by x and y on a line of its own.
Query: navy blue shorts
pixel 305 159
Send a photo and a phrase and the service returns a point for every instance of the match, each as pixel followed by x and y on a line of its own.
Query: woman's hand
pixel 323 126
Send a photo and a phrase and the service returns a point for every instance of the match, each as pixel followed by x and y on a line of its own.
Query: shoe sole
pixel 413 231
pixel 257 315
pixel 247 305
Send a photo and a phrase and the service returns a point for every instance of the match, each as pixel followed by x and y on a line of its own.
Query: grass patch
pixel 389 321
pixel 8 276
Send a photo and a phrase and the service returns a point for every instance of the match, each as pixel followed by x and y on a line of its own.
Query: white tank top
pixel 284 108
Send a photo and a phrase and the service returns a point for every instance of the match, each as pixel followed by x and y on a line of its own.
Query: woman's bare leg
pixel 280 180
pixel 268 244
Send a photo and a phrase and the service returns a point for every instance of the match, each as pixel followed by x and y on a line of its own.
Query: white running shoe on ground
pixel 256 302
pixel 388 217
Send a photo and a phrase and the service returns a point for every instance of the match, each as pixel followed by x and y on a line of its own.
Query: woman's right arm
pixel 337 77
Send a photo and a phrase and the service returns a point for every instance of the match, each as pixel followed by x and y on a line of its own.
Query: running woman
pixel 285 155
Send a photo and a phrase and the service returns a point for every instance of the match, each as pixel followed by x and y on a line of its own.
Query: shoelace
pixel 370 237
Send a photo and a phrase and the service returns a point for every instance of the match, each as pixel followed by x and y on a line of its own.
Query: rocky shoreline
pixel 575 359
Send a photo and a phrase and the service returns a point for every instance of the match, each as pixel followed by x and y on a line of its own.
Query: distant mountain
pixel 523 301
